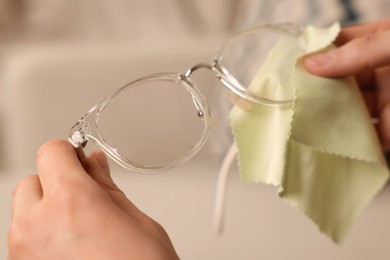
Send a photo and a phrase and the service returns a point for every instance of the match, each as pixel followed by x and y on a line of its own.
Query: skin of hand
pixel 68 212
pixel 364 52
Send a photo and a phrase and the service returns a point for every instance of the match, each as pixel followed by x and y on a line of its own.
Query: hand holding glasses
pixel 158 135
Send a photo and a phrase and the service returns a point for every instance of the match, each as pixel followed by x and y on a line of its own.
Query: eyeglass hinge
pixel 79 135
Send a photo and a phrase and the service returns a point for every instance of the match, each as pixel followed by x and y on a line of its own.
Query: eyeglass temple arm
pixel 188 73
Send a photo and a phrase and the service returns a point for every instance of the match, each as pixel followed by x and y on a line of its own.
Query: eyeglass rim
pixel 89 124
pixel 229 81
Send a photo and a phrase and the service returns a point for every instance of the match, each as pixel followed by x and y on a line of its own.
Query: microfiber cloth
pixel 322 152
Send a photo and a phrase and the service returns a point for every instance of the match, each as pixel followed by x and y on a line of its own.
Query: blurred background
pixel 60 57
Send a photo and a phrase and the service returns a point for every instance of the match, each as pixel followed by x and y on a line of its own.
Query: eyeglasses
pixel 150 136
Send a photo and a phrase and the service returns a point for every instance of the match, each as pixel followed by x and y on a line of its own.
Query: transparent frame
pixel 87 127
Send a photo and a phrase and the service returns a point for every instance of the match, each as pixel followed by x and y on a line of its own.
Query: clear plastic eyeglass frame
pixel 87 127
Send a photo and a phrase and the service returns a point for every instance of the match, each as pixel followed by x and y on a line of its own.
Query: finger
pixel 383 85
pixel 384 126
pixel 102 160
pixel 364 53
pixel 98 160
pixel 382 81
pixel 351 32
pixel 25 195
pixel 98 169
pixel 58 165
pixel 366 80
pixel 371 102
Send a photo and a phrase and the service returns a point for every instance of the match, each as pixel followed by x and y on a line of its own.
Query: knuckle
pixel 17 188
pixel 365 41
pixel 16 238
pixel 154 226
pixel 24 181
pixel 108 185
pixel 366 46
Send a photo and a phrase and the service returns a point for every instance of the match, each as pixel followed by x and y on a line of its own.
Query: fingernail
pixel 321 59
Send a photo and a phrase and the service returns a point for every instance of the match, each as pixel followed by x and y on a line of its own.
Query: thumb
pixel 58 166
pixel 364 53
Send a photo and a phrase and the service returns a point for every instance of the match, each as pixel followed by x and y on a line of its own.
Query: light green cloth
pixel 322 152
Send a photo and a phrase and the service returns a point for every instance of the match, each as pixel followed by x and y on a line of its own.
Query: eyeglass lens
pixel 152 124
pixel 243 56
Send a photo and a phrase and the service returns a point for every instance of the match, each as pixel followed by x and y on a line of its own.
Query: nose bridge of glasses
pixel 208 66
pixel 232 85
